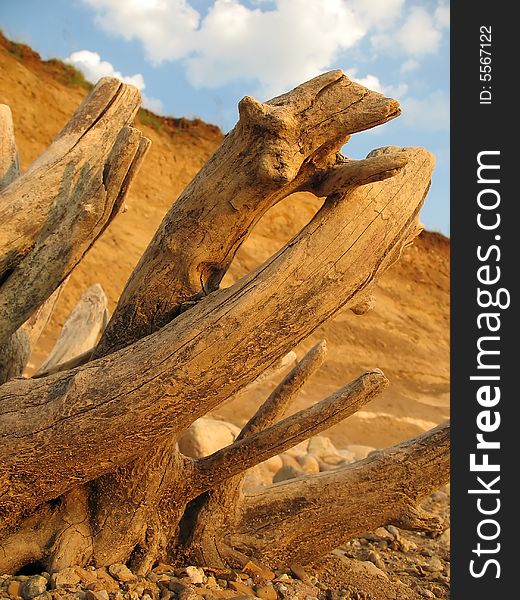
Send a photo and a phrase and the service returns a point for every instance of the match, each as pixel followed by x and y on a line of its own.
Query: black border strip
pixel 475 128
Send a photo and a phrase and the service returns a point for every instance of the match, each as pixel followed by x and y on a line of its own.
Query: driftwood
pixel 90 469
pixel 79 333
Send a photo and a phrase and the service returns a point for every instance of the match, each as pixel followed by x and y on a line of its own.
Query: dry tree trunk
pixel 90 469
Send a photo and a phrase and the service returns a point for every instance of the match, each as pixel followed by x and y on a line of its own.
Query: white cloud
pixel 276 43
pixel 377 13
pixel 418 35
pixel 93 68
pixel 370 81
pixel 430 113
pixel 442 14
pixel 280 46
pixel 409 65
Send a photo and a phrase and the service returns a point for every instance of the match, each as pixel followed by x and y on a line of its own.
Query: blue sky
pixel 199 57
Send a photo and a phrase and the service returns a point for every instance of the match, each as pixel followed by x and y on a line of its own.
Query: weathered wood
pixel 275 149
pixel 80 331
pixel 316 514
pixel 37 322
pixel 84 144
pixel 258 446
pixel 88 201
pixel 269 374
pixel 9 161
pixel 89 468
pixel 15 349
pixel 84 422
pixel 14 354
pixel 285 392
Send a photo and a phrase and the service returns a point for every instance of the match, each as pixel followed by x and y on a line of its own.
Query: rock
pixel 288 460
pixel 188 594
pixel 86 576
pixel 434 564
pixel 258 572
pixel 323 448
pixel 299 572
pixel 99 595
pixel 104 582
pixel 407 545
pixel 14 588
pixel 347 455
pixel 439 496
pixel 34 586
pixel 426 593
pixel 393 531
pixel 359 567
pixel 444 538
pixel 258 476
pixel 195 574
pixel 121 572
pixel 66 578
pixel 266 592
pixel 383 533
pixel 308 463
pixel 285 473
pixel 325 466
pixel 299 449
pixel 242 588
pixel 206 436
pixel 274 463
pixel 375 559
pixel 359 451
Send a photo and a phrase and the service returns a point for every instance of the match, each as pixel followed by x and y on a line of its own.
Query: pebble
pixel 121 572
pixel 384 534
pixel 435 565
pixel 99 595
pixel 393 531
pixel 240 587
pixel 33 587
pixel 285 473
pixel 322 447
pixel 439 496
pixel 258 572
pixel 266 592
pixel 299 572
pixel 66 578
pixel 14 588
pixel 375 559
pixel 195 574
pixel 308 463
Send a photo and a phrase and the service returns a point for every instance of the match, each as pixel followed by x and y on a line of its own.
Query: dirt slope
pixel 406 335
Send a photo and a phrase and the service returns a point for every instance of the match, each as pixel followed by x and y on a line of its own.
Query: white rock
pixel 322 448
pixel 195 574
pixel 274 463
pixel 206 436
pixel 299 449
pixel 121 573
pixel 359 451
pixel 308 463
pixel 286 472
pixel 347 455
